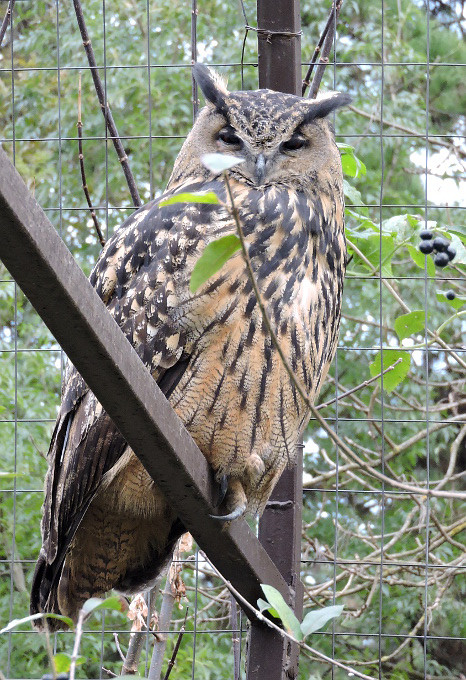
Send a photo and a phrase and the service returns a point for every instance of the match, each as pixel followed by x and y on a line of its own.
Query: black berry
pixel 426 234
pixel 440 244
pixel 450 295
pixel 426 247
pixel 451 252
pixel 441 260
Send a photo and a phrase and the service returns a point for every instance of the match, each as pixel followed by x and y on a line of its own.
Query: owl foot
pixel 233 497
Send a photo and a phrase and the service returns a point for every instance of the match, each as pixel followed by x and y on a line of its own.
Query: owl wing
pixel 145 262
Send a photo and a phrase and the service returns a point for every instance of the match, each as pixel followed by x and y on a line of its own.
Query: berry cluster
pixel 444 251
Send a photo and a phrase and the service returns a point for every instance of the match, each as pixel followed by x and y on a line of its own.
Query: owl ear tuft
pixel 319 108
pixel 212 85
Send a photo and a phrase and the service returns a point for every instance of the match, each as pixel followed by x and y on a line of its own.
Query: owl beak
pixel 260 168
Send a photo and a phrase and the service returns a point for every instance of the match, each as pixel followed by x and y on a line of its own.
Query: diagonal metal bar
pixel 44 268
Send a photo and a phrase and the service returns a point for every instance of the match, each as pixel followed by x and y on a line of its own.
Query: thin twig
pixel 83 173
pixel 171 663
pixel 110 123
pixel 6 20
pixel 48 644
pixel 359 387
pixel 403 128
pixel 307 79
pixel 117 644
pixel 77 642
pixel 282 632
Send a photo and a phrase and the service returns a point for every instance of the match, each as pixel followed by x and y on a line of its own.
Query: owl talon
pixel 223 489
pixel 234 514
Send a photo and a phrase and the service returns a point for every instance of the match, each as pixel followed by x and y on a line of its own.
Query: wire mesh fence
pixel 373 540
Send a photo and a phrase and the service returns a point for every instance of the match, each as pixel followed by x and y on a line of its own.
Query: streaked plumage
pixel 105 523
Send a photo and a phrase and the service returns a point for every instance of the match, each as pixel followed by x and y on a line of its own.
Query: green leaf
pixel 315 620
pixel 62 662
pixel 422 260
pixel 35 617
pixel 345 148
pixel 285 612
pixel 350 163
pixel 187 197
pixel 457 303
pixel 413 221
pixel 402 226
pixel 375 248
pixel 408 324
pixel 219 162
pixel 9 475
pixel 212 259
pixel 263 606
pixel 352 194
pixel 459 231
pixel 362 218
pixel 394 377
pixel 113 603
pixel 460 257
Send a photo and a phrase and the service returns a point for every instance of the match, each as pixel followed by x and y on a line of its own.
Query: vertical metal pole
pixel 270 657
pixel 280 50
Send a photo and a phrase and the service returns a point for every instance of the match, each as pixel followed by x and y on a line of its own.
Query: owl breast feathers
pixel 105 523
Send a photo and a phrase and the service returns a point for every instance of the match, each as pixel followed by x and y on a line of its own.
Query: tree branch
pixel 6 20
pixel 109 122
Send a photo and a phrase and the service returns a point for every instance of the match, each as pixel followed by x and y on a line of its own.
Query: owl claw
pixel 223 489
pixel 234 514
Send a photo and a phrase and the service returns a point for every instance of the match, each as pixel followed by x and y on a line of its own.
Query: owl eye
pixel 228 136
pixel 294 143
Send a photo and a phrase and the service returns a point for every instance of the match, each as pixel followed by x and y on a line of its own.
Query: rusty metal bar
pixel 279 47
pixel 45 270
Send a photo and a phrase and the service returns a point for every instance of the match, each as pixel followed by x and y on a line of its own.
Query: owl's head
pixel 281 137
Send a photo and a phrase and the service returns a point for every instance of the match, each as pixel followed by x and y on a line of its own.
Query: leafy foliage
pixel 312 622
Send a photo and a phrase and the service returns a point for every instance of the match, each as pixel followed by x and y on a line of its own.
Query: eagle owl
pixel 105 523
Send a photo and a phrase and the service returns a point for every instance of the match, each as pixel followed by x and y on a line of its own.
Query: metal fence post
pixel 270 657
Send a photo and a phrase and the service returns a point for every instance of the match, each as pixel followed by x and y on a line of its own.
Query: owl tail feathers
pixel 64 591
pixel 46 585
pixel 44 596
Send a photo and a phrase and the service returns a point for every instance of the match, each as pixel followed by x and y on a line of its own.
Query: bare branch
pixel 109 122
pixel 171 663
pixel 323 35
pixel 327 46
pixel 83 172
pixel 6 20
